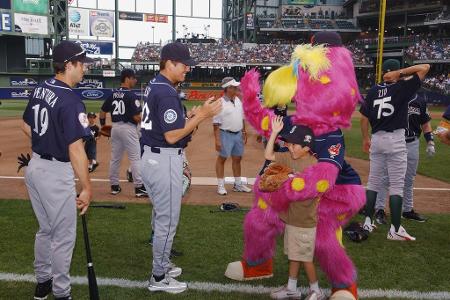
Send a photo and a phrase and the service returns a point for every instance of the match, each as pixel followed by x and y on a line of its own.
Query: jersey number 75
pixel 383 104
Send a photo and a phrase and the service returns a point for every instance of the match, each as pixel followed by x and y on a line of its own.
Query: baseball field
pixel 209 241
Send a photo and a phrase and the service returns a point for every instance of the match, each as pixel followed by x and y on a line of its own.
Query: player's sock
pixel 371 199
pixel 220 182
pixel 395 204
pixel 158 278
pixel 314 287
pixel 292 284
pixel 237 180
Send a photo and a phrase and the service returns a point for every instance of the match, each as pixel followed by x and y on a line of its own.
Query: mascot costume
pixel 321 81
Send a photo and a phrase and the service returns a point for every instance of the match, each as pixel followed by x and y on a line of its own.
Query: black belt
pixel 410 139
pixel 49 157
pixel 229 131
pixel 158 150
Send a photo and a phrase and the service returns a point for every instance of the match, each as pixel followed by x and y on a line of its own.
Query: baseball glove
pixel 273 177
pixel 106 130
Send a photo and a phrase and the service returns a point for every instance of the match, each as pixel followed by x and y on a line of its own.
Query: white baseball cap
pixel 229 81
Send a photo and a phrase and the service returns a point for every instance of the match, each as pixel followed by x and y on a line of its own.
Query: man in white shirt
pixel 230 136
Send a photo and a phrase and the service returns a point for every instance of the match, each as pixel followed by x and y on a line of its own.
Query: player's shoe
pixel 175 253
pixel 412 215
pixel 369 225
pixel 64 298
pixel 380 217
pixel 140 191
pixel 400 235
pixel 174 271
pixel 43 289
pixel 168 285
pixel 221 190
pixel 115 189
pixel 285 293
pixel 314 295
pixel 241 188
pixel 129 176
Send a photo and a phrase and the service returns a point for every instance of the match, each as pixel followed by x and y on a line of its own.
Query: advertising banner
pixel 39 7
pixel 300 2
pixel 131 16
pixel 5 4
pixel 101 23
pixel 155 18
pixel 31 24
pixel 91 83
pixel 79 21
pixel 250 21
pixel 15 93
pixel 97 47
pixel 5 21
pixel 17 81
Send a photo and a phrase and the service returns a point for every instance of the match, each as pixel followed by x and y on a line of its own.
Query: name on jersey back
pixel 45 94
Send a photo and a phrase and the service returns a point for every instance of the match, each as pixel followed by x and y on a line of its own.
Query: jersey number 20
pixel 383 104
pixel 119 107
pixel 40 119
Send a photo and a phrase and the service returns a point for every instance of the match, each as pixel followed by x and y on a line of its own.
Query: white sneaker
pixel 369 225
pixel 241 188
pixel 400 235
pixel 174 271
pixel 314 295
pixel 221 190
pixel 285 293
pixel 168 285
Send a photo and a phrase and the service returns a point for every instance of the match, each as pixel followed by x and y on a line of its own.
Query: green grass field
pixel 209 241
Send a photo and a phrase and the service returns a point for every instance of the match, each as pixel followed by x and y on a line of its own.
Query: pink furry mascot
pixel 321 80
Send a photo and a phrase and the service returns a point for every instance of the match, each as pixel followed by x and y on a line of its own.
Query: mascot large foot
pixel 240 270
pixel 350 293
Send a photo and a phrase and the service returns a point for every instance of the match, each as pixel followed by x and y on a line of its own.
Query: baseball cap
pixel 229 81
pixel 391 65
pixel 67 51
pixel 298 134
pixel 177 52
pixel 330 38
pixel 92 115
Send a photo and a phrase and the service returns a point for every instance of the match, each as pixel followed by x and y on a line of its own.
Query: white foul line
pixel 232 287
pixel 228 180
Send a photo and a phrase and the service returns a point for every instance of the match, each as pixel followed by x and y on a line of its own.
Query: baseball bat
pixel 93 288
pixel 114 206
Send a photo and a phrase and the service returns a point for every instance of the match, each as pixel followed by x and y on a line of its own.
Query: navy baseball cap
pixel 330 38
pixel 391 65
pixel 177 52
pixel 92 115
pixel 70 51
pixel 298 134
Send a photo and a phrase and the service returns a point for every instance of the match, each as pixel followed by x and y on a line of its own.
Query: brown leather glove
pixel 273 177
pixel 106 130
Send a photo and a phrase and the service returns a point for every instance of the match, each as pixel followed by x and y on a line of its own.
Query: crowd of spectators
pixel 235 52
pixel 439 83
pixel 430 49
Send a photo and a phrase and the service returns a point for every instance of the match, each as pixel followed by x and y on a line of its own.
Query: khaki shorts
pixel 299 243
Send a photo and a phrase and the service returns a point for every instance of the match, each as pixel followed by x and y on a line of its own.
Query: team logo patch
pixel 82 117
pixel 138 103
pixel 334 150
pixel 170 116
pixel 307 139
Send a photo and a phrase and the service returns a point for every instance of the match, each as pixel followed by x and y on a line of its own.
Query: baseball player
pixel 386 107
pixel 418 121
pixel 125 109
pixel 55 120
pixel 165 132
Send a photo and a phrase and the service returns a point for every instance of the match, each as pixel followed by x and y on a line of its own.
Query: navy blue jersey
pixel 94 130
pixel 446 114
pixel 162 112
pixel 418 115
pixel 57 118
pixel 123 104
pixel 386 104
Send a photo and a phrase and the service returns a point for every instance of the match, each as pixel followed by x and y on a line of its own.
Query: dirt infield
pixel 201 155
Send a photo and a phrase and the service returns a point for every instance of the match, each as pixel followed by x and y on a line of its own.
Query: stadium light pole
pixel 153 32
pixel 116 14
pixel 379 70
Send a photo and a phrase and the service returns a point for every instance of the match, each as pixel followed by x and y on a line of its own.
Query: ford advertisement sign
pixel 92 94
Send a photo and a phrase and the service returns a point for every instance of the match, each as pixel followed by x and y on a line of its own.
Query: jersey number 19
pixel 40 119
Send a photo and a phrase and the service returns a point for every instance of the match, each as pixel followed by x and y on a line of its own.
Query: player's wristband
pixel 102 121
pixel 428 136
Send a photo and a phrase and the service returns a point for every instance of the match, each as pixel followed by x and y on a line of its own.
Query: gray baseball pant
pixel 51 188
pixel 124 137
pixel 411 171
pixel 162 177
pixel 388 152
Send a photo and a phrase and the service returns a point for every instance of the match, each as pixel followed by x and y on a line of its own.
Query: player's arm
pixel 79 162
pixel 244 132
pixel 217 143
pixel 421 71
pixel 26 129
pixel 137 118
pixel 207 110
pixel 277 126
pixel 106 107
pixel 364 121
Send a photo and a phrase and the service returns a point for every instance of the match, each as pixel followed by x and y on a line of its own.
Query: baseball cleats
pixel 115 189
pixel 43 289
pixel 174 271
pixel 400 235
pixel 140 191
pixel 380 217
pixel 241 188
pixel 167 284
pixel 93 167
pixel 369 225
pixel 285 293
pixel 316 295
pixel 412 215
pixel 129 176
pixel 221 190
